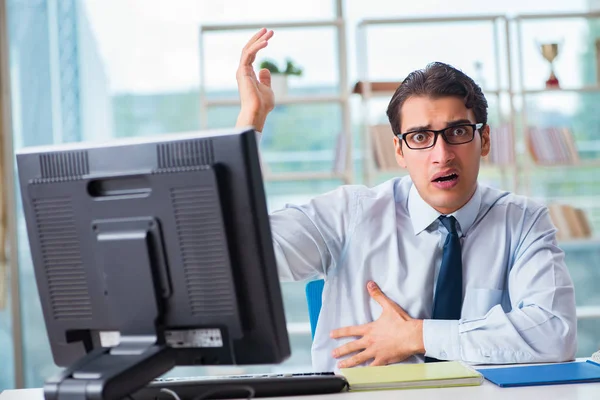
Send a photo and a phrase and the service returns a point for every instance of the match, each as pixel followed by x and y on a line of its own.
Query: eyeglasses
pixel 459 134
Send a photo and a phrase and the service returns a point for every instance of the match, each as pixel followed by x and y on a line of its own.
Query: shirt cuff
pixel 440 338
pixel 258 136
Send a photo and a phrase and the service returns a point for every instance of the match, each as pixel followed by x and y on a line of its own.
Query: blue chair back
pixel 314 299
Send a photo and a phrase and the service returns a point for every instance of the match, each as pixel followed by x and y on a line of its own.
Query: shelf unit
pixel 587 312
pixel 499 22
pixel 343 97
pixel 582 89
pixel 575 245
pixel 285 100
pixel 524 92
pixel 580 244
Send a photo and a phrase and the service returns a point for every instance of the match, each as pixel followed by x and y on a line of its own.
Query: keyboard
pixel 236 386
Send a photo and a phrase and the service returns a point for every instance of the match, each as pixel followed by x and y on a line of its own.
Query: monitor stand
pixel 112 374
pixel 141 355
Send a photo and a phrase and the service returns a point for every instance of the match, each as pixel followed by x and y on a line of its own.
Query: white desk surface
pixel 487 391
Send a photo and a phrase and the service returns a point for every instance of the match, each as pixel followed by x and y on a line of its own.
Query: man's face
pixel 445 175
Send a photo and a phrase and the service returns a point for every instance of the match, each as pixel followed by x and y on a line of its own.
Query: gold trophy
pixel 550 51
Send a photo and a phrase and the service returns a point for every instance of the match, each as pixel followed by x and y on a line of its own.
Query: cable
pixel 172 393
pixel 249 389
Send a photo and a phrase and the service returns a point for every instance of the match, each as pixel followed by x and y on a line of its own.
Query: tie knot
pixel 449 223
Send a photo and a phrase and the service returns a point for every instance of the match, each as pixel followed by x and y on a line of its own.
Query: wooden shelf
pixel 298 328
pixel 486 166
pixel 581 164
pixel 286 100
pixel 580 89
pixel 580 244
pixel 424 20
pixel 588 312
pixel 301 176
pixel 272 25
pixel 377 87
pixel 592 14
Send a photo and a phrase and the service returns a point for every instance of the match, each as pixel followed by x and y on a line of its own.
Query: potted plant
pixel 279 76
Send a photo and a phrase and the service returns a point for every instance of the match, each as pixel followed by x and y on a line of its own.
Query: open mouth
pixel 446 178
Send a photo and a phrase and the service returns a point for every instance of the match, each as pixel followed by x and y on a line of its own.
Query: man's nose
pixel 442 152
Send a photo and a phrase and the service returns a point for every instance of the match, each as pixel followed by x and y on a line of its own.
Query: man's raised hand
pixel 256 95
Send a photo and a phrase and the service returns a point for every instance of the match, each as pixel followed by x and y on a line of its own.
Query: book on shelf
pixel 384 154
pixel 570 222
pixel 376 87
pixel 502 147
pixel 552 145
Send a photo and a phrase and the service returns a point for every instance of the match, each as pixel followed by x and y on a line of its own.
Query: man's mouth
pixel 444 178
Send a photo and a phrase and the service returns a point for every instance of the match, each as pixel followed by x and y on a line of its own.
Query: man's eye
pixel 459 131
pixel 419 137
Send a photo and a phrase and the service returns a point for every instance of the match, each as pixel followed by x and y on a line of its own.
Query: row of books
pixel 546 145
pixel 552 145
pixel 571 222
pixel 502 148
pixel 382 140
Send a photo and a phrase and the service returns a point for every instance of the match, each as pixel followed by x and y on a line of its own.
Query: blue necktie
pixel 447 303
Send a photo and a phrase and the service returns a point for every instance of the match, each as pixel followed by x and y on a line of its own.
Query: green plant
pixel 290 67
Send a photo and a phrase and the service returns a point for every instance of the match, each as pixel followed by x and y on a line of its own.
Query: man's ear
pixel 485 140
pixel 398 152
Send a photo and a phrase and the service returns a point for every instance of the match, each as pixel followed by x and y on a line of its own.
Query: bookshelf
pixel 582 89
pixel 551 160
pixel 531 159
pixel 284 101
pixel 371 89
pixel 343 149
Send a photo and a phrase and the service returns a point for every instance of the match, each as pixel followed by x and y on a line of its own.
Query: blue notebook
pixel 551 374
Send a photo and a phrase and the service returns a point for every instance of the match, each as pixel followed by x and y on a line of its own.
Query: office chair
pixel 314 299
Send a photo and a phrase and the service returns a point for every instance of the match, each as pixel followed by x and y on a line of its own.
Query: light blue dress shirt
pixel 519 302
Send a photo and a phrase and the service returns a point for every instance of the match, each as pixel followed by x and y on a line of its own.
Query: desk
pixel 487 391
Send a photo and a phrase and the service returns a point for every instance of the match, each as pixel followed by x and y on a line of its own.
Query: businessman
pixel 432 266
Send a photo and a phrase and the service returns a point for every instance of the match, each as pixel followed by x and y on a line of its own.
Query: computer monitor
pixel 165 240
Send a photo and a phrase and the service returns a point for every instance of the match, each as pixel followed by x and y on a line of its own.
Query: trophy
pixel 550 51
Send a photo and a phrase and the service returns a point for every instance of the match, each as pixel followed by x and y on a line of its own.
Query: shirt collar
pixel 422 215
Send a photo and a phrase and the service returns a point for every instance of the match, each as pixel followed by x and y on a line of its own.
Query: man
pixel 469 272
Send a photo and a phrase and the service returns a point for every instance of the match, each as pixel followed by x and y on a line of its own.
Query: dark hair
pixel 435 81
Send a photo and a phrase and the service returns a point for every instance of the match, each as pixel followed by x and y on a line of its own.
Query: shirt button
pixel 443 354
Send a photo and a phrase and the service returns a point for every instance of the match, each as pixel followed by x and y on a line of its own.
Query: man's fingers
pixel 384 301
pixel 377 295
pixel 255 37
pixel 348 348
pixel 357 330
pixel 355 360
pixel 268 35
pixel 257 43
pixel 249 55
pixel 402 313
pixel 377 362
pixel 259 36
pixel 264 76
